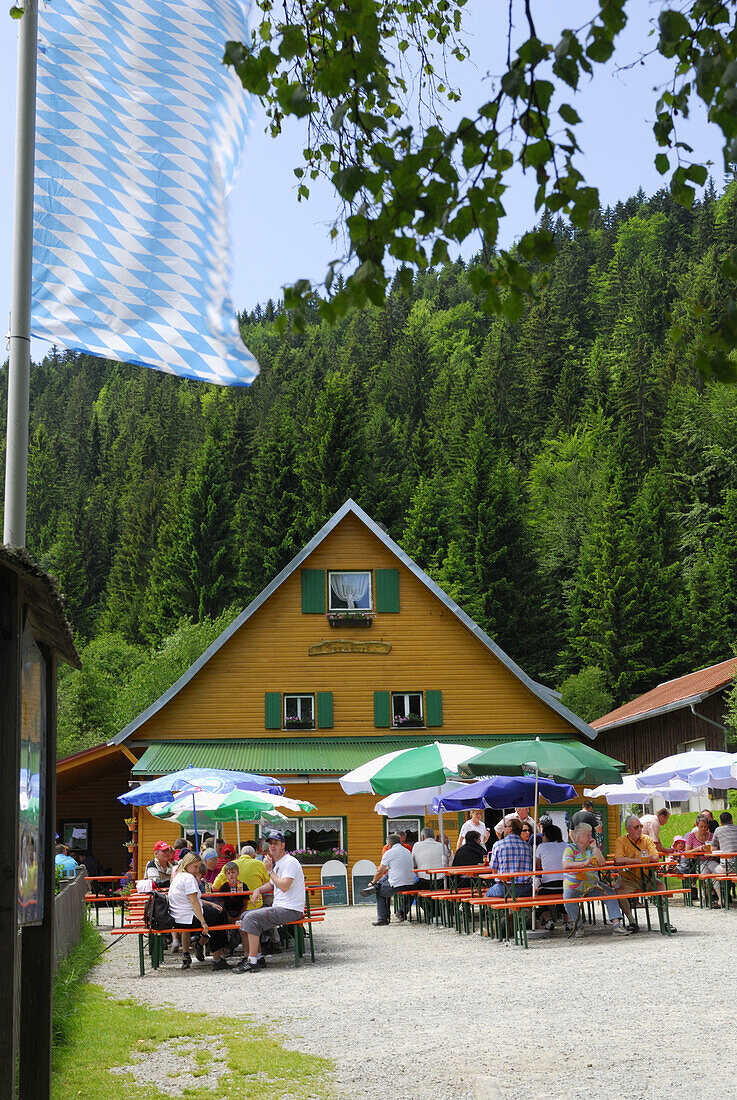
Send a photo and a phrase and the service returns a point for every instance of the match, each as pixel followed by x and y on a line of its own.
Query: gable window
pixel 299 712
pixel 407 709
pixel 350 591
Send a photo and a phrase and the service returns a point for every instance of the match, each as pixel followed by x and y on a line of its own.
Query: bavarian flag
pixel 139 131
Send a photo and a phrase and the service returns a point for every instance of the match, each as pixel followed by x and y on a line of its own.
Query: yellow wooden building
pixel 350 652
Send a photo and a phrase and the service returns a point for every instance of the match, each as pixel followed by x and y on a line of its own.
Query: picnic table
pixel 134 925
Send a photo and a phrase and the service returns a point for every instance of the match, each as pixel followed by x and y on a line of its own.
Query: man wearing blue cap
pixel 287 880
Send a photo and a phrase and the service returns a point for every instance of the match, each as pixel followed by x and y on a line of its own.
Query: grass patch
pixel 69 981
pixel 109 1033
pixel 676 825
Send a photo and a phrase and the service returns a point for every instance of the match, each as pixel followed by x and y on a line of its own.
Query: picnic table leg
pixel 141 956
pixel 312 943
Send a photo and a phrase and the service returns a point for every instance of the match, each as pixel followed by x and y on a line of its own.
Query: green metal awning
pixel 287 755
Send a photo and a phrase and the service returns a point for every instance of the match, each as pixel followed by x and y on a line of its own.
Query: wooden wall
pixel 96 799
pixel 640 744
pixel 431 649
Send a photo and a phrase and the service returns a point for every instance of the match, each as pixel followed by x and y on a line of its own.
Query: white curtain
pixel 350 587
pixel 323 824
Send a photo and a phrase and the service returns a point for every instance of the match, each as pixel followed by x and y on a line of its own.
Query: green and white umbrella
pixel 565 763
pixel 201 808
pixel 407 769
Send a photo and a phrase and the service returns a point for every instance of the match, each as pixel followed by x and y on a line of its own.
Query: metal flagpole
pixel 16 459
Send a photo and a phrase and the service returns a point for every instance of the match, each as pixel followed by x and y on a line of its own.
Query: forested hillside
pixel 568 477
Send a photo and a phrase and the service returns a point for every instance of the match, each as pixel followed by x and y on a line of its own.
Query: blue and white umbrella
pixel 211 780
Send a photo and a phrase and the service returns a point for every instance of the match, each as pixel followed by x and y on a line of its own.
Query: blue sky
pixel 277 240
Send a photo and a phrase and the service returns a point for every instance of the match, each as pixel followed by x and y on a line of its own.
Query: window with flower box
pixel 407 709
pixel 350 591
pixel 299 712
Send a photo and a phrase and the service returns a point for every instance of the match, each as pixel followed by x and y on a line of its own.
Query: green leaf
pixel 16 12
pixel 568 115
pixel 662 163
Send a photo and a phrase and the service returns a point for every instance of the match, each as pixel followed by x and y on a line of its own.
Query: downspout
pixel 711 721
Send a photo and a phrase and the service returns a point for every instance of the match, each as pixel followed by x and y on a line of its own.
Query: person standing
pixel 474 824
pixel 586 815
pixel 651 826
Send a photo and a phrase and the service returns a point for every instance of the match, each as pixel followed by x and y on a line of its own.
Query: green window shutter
pixel 387 590
pixel 324 710
pixel 382 709
pixel 273 710
pixel 433 708
pixel 313 591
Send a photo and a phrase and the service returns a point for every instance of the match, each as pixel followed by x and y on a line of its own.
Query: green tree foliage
pixel 414 186
pixel 585 693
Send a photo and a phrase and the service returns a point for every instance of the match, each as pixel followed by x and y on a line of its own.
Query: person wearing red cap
pixel 226 853
pixel 160 867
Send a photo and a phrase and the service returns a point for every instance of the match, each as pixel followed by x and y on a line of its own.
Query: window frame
pixel 407 694
pixel 307 821
pixel 353 572
pixel 299 696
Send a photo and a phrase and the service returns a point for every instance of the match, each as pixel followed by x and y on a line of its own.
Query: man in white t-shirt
pixel 475 824
pixel 520 812
pixel 396 871
pixel 426 853
pixel 287 880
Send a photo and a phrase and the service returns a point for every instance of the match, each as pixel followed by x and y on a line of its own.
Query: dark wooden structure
pixel 28 598
pixel 677 715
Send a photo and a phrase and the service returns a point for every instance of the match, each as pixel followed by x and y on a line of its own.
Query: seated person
pixel 62 859
pixel 396 872
pixel 550 860
pixel 210 860
pixel 159 868
pixel 699 840
pixel 581 857
pixel 510 855
pixel 287 880
pixel 724 839
pixel 233 907
pixel 428 853
pixel 470 854
pixel 678 862
pixel 189 913
pixel 633 846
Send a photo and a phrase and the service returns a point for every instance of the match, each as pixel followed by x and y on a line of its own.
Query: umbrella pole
pixel 534 845
pixel 194 811
pixel 238 831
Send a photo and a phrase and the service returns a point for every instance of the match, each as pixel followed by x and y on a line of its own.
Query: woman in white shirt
pixel 550 860
pixel 474 824
pixel 188 911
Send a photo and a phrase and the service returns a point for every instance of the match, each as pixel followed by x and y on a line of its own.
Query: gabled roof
pixel 546 695
pixel 671 695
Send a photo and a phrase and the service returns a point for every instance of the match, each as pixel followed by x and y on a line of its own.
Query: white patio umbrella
pixel 720 776
pixel 619 794
pixel 681 766
pixel 416 802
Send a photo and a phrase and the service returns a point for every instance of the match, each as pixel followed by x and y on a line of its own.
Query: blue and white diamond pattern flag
pixel 139 131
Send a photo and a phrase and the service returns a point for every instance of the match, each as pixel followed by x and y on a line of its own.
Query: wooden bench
pixel 463 903
pixel 134 925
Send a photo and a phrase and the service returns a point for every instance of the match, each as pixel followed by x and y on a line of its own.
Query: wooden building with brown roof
pixel 676 716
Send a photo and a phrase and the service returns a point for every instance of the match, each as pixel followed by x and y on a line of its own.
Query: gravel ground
pixel 425 1014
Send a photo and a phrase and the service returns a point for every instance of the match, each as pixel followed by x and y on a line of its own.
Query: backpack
pixel 156 914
